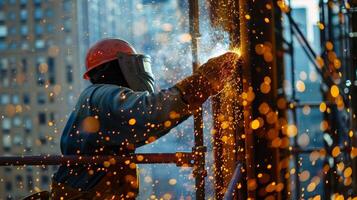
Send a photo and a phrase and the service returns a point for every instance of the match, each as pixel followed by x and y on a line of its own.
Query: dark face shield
pixel 136 69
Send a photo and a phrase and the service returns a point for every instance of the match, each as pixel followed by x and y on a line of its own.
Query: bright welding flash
pixel 236 50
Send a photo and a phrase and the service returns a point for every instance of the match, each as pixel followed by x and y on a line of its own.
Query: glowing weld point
pixel 236 50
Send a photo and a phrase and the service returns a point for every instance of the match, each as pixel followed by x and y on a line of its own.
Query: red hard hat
pixel 104 51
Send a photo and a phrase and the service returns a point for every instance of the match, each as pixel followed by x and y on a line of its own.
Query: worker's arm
pixel 145 117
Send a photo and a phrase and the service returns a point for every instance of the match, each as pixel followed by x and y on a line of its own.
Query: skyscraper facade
pixel 38 87
pixel 42 51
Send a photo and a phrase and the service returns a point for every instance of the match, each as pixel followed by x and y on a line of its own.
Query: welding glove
pixel 219 70
pixel 209 79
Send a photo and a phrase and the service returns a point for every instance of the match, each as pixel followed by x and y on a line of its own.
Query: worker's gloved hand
pixel 219 70
pixel 209 79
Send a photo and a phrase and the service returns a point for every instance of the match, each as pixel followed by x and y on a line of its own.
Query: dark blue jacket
pixel 112 120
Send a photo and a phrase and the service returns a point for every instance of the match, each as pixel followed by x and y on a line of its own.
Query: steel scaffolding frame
pixel 294 103
pixel 324 72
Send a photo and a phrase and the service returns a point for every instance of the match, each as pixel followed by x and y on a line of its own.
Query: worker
pixel 121 111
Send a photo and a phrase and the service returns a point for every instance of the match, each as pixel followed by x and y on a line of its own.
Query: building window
pixel 23 2
pixel 4 99
pixel 40 44
pixel 40 77
pixel 19 180
pixel 30 184
pixel 42 139
pixel 3 64
pixel 13 73
pixel 42 118
pixel 8 186
pixel 69 74
pixel 37 2
pixel 6 125
pixel 24 45
pixel 38 14
pixel 41 98
pixel 71 98
pixel 67 5
pixel 51 97
pixel 3 72
pixel 28 144
pixel 52 117
pixel 17 121
pixel 3 31
pixel 28 124
pixel 2 16
pixel 50 28
pixel 24 65
pixel 18 140
pixel 6 139
pixel 68 42
pixel 39 29
pixel 67 25
pixel 45 181
pixel 26 98
pixel 23 15
pixel 8 169
pixel 15 99
pixel 24 30
pixel 3 45
pixel 51 70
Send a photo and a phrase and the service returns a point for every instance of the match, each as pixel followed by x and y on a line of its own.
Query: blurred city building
pixel 42 47
pixel 39 82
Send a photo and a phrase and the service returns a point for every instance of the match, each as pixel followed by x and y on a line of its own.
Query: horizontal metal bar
pixel 178 158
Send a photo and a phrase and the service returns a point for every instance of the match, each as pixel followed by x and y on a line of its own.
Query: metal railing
pixel 179 158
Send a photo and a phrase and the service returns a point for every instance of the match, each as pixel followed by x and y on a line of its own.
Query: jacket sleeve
pixel 142 117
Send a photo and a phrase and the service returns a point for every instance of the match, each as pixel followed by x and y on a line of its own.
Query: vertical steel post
pixel 199 149
pixel 256 31
pixel 249 138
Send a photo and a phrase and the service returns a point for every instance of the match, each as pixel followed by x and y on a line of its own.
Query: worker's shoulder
pixel 100 90
pixel 104 88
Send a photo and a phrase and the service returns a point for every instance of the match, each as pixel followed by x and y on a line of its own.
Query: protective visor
pixel 136 69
